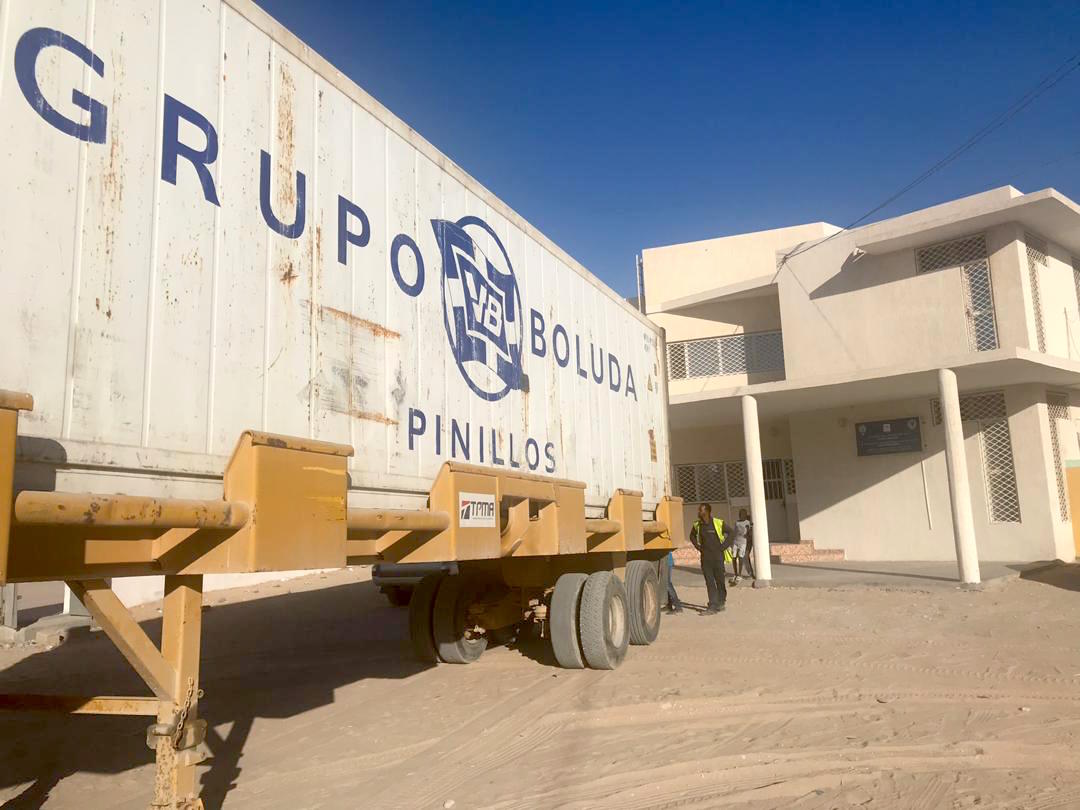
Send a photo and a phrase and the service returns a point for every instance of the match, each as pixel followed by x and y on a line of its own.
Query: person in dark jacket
pixel 712 537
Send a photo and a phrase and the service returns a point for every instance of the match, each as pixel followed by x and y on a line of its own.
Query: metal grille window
pixel 751 353
pixel 773 469
pixel 710 479
pixel 719 481
pixel 1003 501
pixel 973 407
pixel 970 256
pixel 995 445
pixel 686 482
pixel 956 253
pixel 677 361
pixel 736 479
pixel 1036 256
pixel 1057 407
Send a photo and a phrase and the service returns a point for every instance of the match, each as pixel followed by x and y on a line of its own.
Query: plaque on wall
pixel 888 436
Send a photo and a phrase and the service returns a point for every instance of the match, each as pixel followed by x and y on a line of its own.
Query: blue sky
pixel 617 127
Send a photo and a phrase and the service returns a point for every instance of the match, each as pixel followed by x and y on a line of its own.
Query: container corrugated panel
pixel 207 228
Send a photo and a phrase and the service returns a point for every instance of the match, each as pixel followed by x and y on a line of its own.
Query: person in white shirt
pixel 741 547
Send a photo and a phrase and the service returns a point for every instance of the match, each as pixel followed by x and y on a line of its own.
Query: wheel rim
pixel 616 620
pixel 649 600
pixel 467 630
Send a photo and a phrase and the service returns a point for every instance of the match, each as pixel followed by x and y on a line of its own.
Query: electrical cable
pixel 1048 82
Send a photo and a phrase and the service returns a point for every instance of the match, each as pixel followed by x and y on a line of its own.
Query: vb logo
pixel 481 307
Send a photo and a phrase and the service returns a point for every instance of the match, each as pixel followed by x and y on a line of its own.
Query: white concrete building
pixel 914 379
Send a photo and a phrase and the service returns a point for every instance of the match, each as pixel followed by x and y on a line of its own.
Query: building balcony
pixel 757 356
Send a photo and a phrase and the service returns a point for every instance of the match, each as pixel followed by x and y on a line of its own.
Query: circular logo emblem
pixel 481 307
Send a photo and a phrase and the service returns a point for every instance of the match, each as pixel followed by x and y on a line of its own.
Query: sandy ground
pixel 795 697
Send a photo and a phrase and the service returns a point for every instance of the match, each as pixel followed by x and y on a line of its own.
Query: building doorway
pixel 723 485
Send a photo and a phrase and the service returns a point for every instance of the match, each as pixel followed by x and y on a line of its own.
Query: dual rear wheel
pixel 594 618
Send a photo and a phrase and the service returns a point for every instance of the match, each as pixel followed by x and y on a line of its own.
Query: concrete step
pixel 804 551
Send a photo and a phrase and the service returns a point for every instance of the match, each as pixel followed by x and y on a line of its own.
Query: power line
pixel 1048 82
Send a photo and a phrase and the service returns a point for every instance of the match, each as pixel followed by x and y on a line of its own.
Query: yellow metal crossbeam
pixel 130 639
pixel 80 704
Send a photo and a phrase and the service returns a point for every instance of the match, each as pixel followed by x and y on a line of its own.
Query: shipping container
pixel 258 315
pixel 207 228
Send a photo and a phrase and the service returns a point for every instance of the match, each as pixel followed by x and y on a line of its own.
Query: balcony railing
pixel 753 353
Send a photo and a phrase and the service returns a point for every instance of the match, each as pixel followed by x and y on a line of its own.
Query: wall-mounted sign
pixel 888 436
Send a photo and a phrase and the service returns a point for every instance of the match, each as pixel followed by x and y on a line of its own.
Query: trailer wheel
pixel 643 601
pixel 563 621
pixel 604 625
pixel 456 640
pixel 421 610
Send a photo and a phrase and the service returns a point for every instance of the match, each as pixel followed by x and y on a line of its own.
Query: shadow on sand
pixel 1058 574
pixel 271 657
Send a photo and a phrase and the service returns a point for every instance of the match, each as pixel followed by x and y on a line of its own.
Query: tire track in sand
pixel 496 737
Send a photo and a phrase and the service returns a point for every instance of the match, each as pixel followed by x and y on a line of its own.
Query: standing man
pixel 712 538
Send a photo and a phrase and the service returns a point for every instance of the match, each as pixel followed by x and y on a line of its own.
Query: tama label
pixel 476 510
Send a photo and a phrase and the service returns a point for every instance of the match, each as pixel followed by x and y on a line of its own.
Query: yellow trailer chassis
pixel 284 507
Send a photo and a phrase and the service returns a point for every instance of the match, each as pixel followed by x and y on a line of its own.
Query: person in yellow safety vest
pixel 713 539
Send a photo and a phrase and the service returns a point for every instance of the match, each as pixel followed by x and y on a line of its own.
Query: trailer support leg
pixel 179 734
pixel 172 673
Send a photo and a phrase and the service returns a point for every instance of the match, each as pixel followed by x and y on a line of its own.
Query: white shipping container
pixel 207 228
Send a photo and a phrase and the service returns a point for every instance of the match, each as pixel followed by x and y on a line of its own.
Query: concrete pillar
pixel 967 554
pixel 755 477
pixel 9 607
pixel 72 605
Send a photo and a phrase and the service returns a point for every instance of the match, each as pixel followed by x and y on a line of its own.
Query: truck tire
pixel 563 621
pixel 421 610
pixel 603 621
pixel 643 601
pixel 454 640
pixel 399 595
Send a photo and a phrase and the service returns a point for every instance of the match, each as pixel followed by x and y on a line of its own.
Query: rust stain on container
pixel 286 180
pixel 652 445
pixel 352 320
pixel 371 416
pixel 112 177
pixel 288 273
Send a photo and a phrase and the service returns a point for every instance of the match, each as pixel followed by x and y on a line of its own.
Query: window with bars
pixel 1036 256
pixel 970 256
pixel 722 481
pixel 755 352
pixel 1057 407
pixel 789 475
pixel 735 471
pixel 988 411
pixel 773 470
pixel 711 484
